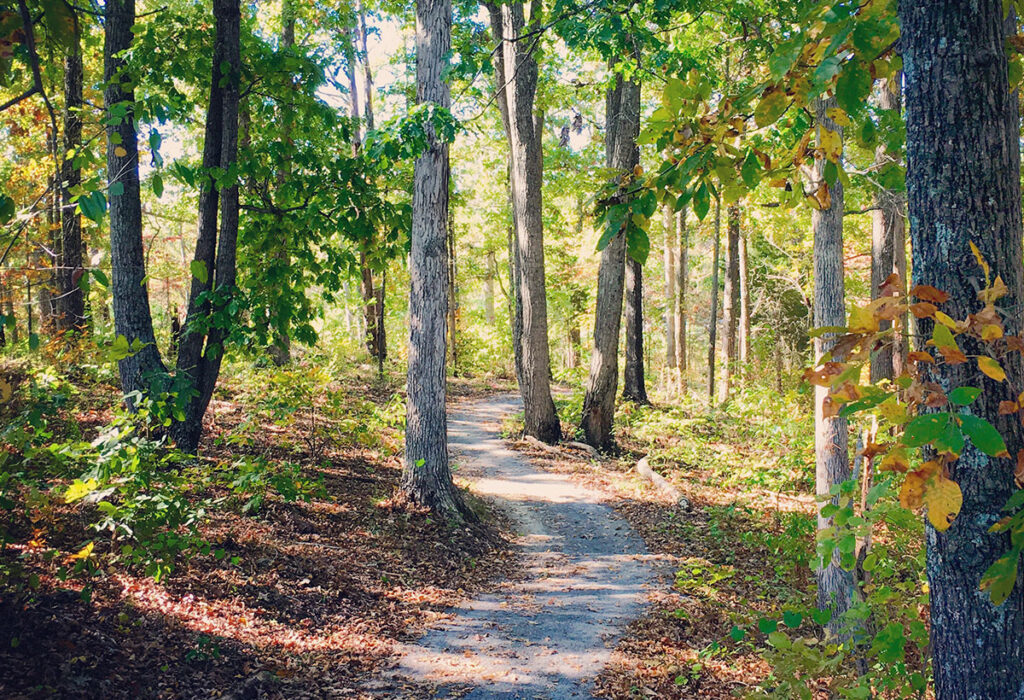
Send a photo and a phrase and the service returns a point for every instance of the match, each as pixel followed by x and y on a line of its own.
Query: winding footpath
pixel 548 636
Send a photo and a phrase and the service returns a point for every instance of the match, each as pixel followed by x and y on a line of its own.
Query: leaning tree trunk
pixel 963 187
pixel 713 318
pixel 731 301
pixel 71 301
pixel 200 355
pixel 132 318
pixel 832 459
pixel 525 131
pixel 633 387
pixel 622 109
pixel 427 478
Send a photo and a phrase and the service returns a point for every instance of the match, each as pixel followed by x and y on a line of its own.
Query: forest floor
pixel 350 594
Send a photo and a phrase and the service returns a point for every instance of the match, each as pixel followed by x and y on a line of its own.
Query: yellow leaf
pixel 991 332
pixel 998 290
pixel 981 260
pixel 6 390
pixel 79 489
pixel 120 152
pixel 831 144
pixel 862 320
pixel 893 411
pixel 945 320
pixel 944 500
pixel 838 116
pixel 84 552
pixel 912 491
pixel 991 368
pixel 895 461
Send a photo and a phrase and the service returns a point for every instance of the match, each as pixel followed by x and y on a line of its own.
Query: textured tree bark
pixel 622 105
pixel 963 186
pixel 731 310
pixel 453 294
pixel 132 317
pixel 525 129
pixel 713 319
pixel 200 362
pixel 633 386
pixel 427 478
pixel 71 301
pixel 367 70
pixel 887 233
pixel 744 352
pixel 668 217
pixel 683 281
pixel 832 458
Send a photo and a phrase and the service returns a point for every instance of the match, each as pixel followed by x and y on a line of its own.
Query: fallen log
pixel 643 467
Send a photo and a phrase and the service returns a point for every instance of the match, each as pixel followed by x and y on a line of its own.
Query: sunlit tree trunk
pixel 525 132
pixel 132 317
pixel 832 459
pixel 744 350
pixel 681 313
pixel 427 478
pixel 963 187
pixel 622 109
pixel 731 306
pixel 668 217
pixel 633 385
pixel 713 318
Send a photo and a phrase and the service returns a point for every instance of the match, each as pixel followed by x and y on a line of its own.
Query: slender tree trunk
pixel 453 293
pixel 744 303
pixel 427 478
pixel 200 356
pixel 622 107
pixel 963 187
pixel 832 458
pixel 671 295
pixel 490 274
pixel 633 388
pixel 132 317
pixel 731 301
pixel 713 319
pixel 525 131
pixel 71 305
pixel 683 281
pixel 367 71
pixel 887 234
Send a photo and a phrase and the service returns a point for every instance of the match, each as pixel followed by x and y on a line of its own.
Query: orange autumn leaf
pixel 926 292
pixel 923 309
pixel 912 491
pixel 1008 407
pixel 921 356
pixel 998 290
pixel 952 356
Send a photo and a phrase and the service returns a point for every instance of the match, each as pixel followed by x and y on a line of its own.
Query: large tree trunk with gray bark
pixel 427 478
pixel 70 299
pixel 633 386
pixel 622 110
pixel 832 458
pixel 963 186
pixel 132 318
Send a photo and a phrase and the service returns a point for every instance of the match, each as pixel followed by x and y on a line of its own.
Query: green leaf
pixel 767 626
pixel 853 86
pixel 199 271
pixel 33 341
pixel 116 189
pixel 772 105
pixel 101 278
pixel 158 184
pixel 638 245
pixel 923 429
pixel 701 201
pixel 792 619
pixel 737 634
pixel 964 395
pixel 1000 578
pixel 6 209
pixel 750 171
pixel 983 435
pixel 93 206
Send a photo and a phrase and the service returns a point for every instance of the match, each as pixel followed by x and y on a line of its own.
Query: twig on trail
pixel 553 449
pixel 589 449
pixel 643 468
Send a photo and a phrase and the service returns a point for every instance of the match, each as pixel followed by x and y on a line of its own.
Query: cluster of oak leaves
pixel 918 413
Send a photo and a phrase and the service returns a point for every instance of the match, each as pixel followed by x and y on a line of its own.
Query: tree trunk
pixel 963 186
pixel 201 363
pixel 453 294
pixel 744 303
pixel 832 458
pixel 525 130
pixel 71 301
pixel 887 233
pixel 683 281
pixel 713 319
pixel 633 388
pixel 622 109
pixel 132 317
pixel 367 71
pixel 731 311
pixel 668 217
pixel 427 478
pixel 490 274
